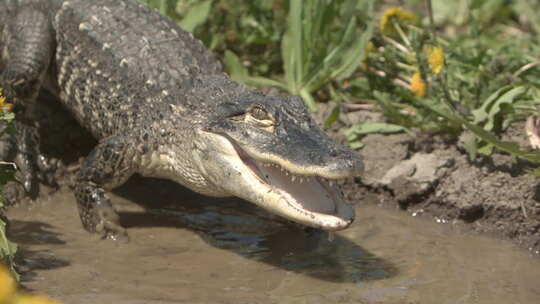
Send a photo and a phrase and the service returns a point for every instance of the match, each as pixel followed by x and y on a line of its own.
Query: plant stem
pixel 402 34
pixel 429 8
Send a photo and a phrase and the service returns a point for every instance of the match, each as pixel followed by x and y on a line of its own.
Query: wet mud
pixel 187 248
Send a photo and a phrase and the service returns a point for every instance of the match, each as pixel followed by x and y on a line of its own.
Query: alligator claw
pixel 24 143
pixel 111 230
pixel 27 184
pixel 119 235
pixel 47 168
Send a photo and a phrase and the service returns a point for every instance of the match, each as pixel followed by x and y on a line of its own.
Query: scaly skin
pixel 160 105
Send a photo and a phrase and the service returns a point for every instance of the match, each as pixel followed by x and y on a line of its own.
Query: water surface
pixel 188 248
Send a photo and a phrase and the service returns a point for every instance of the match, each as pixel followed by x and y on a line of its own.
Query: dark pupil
pixel 259 113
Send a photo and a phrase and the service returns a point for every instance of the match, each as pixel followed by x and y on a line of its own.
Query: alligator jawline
pixel 316 198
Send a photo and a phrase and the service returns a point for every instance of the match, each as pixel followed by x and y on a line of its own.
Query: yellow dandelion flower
pixel 418 86
pixel 7 285
pixel 33 299
pixel 397 15
pixel 435 55
pixel 3 104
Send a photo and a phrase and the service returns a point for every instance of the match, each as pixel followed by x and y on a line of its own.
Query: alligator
pixel 160 105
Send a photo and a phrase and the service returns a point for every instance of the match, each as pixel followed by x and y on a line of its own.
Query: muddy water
pixel 187 248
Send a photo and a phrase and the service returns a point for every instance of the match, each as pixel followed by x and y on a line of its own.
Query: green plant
pixel 7 174
pixel 7 248
pixel 475 84
pixel 250 29
pixel 323 44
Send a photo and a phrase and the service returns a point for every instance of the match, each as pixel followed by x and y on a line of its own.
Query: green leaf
pixel 235 68
pixel 197 14
pixel 490 138
pixel 309 100
pixel 357 53
pixel 239 73
pixel 333 117
pixel 292 45
pixel 343 59
pixel 470 144
pixel 265 82
pixel 7 248
pixel 492 105
pixel 372 127
pixel 355 145
pixel 486 150
pixel 7 172
pixel 8 116
pixel 509 147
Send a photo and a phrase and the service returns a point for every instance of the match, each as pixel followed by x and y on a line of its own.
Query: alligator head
pixel 267 150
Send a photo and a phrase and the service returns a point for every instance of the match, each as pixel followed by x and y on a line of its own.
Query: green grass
pixel 7 174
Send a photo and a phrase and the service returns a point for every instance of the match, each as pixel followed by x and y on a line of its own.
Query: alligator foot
pixel 33 167
pixel 107 166
pixel 97 213
pixel 47 168
pixel 111 229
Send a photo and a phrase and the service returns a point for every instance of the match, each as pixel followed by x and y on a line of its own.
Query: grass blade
pixel 198 13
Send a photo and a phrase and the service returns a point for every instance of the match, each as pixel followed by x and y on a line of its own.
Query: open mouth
pixel 309 199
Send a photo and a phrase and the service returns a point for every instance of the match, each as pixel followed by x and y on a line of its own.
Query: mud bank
pixel 431 176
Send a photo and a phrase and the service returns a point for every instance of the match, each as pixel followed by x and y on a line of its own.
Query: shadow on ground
pixel 35 233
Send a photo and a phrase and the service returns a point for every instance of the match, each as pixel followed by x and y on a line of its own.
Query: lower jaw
pixel 342 219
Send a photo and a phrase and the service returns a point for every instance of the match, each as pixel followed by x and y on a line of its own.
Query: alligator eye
pixel 258 116
pixel 259 113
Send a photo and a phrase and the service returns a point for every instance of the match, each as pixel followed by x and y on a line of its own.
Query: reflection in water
pixel 306 251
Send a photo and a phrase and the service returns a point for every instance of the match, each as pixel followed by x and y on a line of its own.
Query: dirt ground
pixel 431 176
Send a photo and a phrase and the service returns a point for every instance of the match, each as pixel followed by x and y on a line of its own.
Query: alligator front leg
pixel 27 47
pixel 109 165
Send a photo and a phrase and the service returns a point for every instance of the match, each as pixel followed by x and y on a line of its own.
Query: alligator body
pixel 160 105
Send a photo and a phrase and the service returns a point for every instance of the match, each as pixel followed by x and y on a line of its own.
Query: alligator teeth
pixel 293 178
pixel 331 183
pixel 331 236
